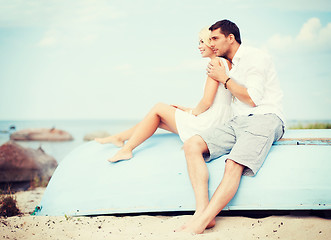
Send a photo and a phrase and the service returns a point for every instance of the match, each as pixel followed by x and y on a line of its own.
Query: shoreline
pixel 155 226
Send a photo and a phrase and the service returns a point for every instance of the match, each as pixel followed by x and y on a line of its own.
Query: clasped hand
pixel 216 70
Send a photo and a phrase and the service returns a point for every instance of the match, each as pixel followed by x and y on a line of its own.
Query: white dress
pixel 219 112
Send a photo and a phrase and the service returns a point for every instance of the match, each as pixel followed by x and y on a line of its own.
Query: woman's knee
pixel 160 105
pixel 157 108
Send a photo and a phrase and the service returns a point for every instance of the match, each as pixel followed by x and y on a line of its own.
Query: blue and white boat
pixel 295 176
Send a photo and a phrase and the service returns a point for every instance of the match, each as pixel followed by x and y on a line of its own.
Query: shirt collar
pixel 238 54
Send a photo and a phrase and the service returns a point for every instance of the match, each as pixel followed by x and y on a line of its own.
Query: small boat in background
pixel 11 128
pixel 295 176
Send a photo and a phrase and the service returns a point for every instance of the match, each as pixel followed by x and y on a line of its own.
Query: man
pixel 247 137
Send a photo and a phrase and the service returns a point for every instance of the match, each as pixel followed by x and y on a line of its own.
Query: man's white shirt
pixel 254 69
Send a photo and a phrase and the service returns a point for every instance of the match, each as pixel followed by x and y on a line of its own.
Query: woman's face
pixel 205 50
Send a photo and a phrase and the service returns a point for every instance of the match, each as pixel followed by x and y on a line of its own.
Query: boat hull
pixel 293 177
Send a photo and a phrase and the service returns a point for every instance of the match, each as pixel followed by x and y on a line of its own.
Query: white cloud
pixel 68 36
pixel 312 37
pixel 42 13
pixel 49 39
pixel 123 67
pixel 123 70
pixel 66 23
pixel 300 5
pixel 186 65
pixel 284 5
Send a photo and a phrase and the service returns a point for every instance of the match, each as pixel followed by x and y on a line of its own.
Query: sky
pixel 98 59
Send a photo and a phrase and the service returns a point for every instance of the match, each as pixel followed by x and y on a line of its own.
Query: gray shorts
pixel 247 140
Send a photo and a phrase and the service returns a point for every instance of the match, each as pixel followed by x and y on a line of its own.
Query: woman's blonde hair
pixel 204 35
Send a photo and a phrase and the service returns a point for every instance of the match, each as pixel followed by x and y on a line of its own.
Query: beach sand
pixel 158 227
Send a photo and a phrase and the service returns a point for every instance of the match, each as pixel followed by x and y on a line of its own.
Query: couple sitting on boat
pixel 240 114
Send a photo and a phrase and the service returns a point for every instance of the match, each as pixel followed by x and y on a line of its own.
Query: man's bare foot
pixel 111 139
pixel 193 218
pixel 122 154
pixel 211 224
pixel 197 226
pixel 194 228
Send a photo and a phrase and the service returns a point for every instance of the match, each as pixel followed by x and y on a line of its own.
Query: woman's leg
pixel 119 138
pixel 161 115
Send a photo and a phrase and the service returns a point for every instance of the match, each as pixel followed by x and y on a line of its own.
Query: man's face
pixel 219 43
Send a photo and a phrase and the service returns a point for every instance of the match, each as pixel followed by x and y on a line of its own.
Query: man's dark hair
pixel 227 27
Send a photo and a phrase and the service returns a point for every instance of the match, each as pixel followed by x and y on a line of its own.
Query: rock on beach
pixel 41 134
pixel 18 164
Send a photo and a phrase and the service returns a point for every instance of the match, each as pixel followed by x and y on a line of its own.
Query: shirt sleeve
pixel 255 80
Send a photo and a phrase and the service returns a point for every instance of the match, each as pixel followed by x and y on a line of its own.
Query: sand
pixel 156 227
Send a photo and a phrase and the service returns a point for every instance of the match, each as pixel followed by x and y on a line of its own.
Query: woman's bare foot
pixel 111 139
pixel 122 154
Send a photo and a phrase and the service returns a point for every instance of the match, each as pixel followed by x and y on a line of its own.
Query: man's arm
pixel 239 91
pixel 216 70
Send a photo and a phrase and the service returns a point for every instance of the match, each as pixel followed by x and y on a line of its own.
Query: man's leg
pixel 197 170
pixel 198 173
pixel 222 196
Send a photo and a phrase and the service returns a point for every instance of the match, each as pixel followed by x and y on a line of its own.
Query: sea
pixel 78 129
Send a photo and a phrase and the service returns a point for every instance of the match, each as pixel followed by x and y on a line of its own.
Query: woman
pixel 213 109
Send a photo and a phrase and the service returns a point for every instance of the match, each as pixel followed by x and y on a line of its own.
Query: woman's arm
pixel 208 97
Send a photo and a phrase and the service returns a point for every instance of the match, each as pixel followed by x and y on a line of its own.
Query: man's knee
pixel 195 145
pixel 232 167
